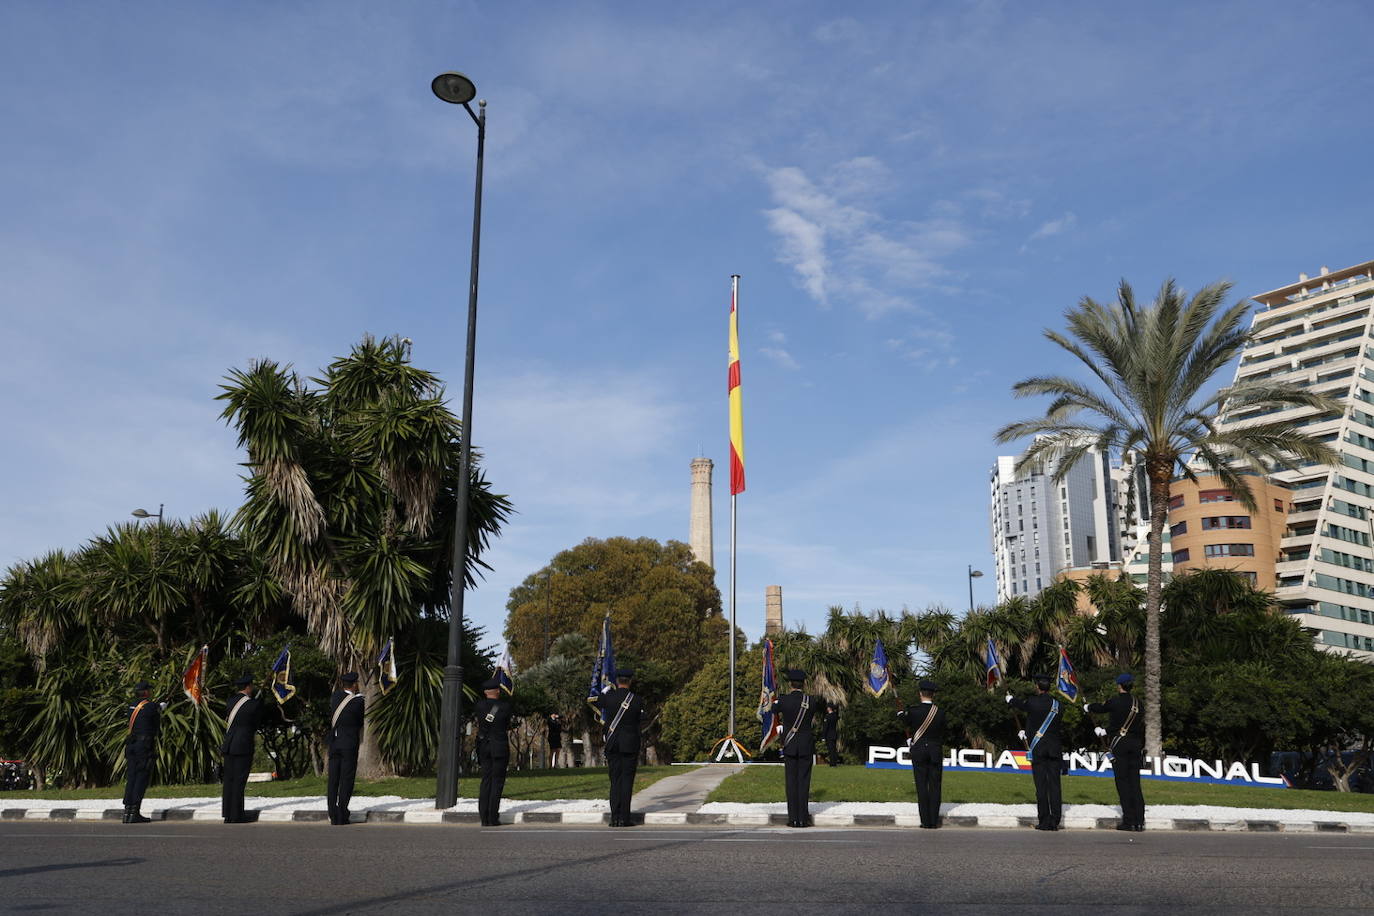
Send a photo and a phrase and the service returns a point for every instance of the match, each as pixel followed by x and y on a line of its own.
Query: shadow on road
pixel 40 869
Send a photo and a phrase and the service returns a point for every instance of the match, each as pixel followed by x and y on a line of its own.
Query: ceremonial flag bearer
pixel 145 721
pixel 493 713
pixel 798 712
pixel 622 711
pixel 1125 733
pixel 1046 750
pixel 925 723
pixel 345 737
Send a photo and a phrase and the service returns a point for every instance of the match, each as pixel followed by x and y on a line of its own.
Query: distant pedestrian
pixel 140 746
pixel 926 723
pixel 798 712
pixel 345 738
pixel 554 724
pixel 242 714
pixel 1125 733
pixel 622 712
pixel 1046 750
pixel 831 733
pixel 493 714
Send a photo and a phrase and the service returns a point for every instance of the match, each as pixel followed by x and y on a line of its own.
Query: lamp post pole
pixel 972 574
pixel 457 89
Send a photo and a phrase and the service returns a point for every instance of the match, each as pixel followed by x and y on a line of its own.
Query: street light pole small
pixel 457 89
pixel 972 574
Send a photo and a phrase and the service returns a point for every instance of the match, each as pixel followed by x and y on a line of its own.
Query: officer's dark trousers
pixel 927 765
pixel 1045 772
pixel 832 751
pixel 138 767
pixel 1127 759
pixel 797 771
pixel 494 768
pixel 236 767
pixel 622 768
pixel 343 772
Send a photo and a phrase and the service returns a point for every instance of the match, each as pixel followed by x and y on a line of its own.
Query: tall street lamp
pixel 972 574
pixel 144 513
pixel 457 89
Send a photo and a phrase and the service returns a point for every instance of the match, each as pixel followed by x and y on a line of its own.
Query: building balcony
pixel 1298 518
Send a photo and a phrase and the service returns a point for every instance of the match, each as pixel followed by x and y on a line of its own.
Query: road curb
pixel 694 818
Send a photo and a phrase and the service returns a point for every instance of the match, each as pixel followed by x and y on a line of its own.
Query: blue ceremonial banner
pixel 386 666
pixel 994 665
pixel 1067 682
pixel 878 679
pixel 603 672
pixel 282 688
pixel 504 674
pixel 768 695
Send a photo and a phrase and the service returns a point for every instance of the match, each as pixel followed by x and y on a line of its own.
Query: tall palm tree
pixel 1150 364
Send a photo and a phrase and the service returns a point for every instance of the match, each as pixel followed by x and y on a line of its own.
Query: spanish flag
pixel 736 404
pixel 193 679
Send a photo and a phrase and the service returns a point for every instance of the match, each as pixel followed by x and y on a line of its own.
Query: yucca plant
pixel 1150 365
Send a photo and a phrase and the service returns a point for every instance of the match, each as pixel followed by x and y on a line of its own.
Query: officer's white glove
pixel 1008 697
pixel 1100 732
pixel 162 707
pixel 1021 734
pixel 1086 709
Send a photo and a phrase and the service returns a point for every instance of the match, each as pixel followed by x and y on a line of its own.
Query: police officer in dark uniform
pixel 145 720
pixel 831 733
pixel 555 727
pixel 798 712
pixel 622 710
pixel 493 715
pixel 345 737
pixel 925 723
pixel 1125 734
pixel 242 713
pixel 1044 717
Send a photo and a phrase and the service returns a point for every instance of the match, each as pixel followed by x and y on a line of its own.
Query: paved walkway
pixel 684 791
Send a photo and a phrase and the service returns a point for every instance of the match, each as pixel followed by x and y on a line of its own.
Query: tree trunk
pixel 1158 473
pixel 370 762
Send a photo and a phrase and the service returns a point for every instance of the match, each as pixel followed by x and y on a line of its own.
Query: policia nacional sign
pixel 1085 763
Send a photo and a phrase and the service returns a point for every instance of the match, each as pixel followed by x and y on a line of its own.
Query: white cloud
pixel 1052 228
pixel 781 357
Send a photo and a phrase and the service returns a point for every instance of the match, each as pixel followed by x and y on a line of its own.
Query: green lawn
pixel 524 785
pixel 855 783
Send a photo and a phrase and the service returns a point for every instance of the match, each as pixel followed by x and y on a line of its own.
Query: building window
pixel 1181 556
pixel 1278 505
pixel 1250 577
pixel 1216 496
pixel 1176 502
pixel 1230 550
pixel 1225 521
pixel 1180 528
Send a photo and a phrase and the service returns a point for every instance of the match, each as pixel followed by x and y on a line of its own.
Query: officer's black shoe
pixel 135 817
pixel 1139 828
pixel 1125 826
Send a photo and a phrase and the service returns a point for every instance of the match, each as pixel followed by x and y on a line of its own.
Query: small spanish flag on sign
pixel 1022 758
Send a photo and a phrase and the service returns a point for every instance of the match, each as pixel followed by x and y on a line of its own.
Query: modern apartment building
pixel 1317 332
pixel 1040 527
pixel 1209 526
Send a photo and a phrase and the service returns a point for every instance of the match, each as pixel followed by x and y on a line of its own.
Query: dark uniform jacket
pixel 346 734
pixel 146 725
pixel 238 739
pixel 493 725
pixel 831 731
pixel 1036 709
pixel 915 717
pixel 1118 708
pixel 625 739
pixel 789 706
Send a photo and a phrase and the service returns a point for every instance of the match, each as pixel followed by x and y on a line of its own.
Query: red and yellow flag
pixel 736 404
pixel 193 680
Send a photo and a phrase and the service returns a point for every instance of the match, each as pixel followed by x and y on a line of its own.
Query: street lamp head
pixel 975 573
pixel 454 88
pixel 141 513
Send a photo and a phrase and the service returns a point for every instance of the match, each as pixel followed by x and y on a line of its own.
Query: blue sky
pixel 911 191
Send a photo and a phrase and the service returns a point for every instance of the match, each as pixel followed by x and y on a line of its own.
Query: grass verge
pixel 521 785
pixel 859 784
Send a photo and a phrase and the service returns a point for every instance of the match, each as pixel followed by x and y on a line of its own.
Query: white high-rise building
pixel 1040 527
pixel 1317 332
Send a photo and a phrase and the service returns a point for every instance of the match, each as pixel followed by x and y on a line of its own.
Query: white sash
pixel 234 712
pixel 338 710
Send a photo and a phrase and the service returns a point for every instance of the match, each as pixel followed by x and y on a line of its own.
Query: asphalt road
pixel 314 869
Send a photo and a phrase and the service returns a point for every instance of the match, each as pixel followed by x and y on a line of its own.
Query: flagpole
pixel 731 729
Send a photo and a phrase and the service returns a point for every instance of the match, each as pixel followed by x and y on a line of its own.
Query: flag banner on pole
pixel 193 680
pixel 505 674
pixel 994 665
pixel 603 672
pixel 879 678
pixel 1067 682
pixel 736 404
pixel 282 688
pixel 386 666
pixel 768 695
